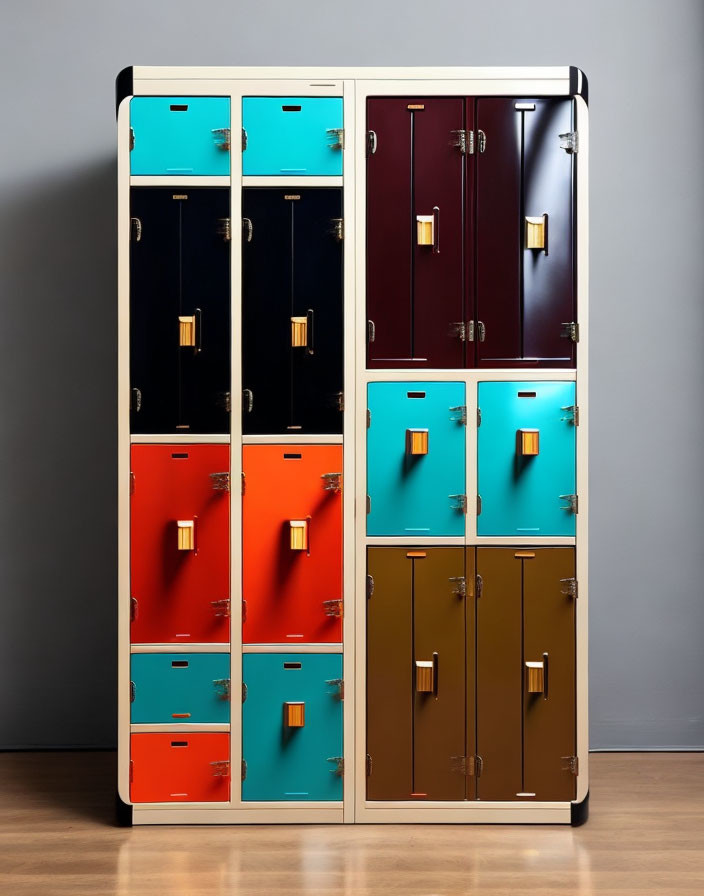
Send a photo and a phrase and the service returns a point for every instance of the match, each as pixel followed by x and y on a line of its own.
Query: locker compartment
pixel 176 688
pixel 415 239
pixel 180 135
pixel 292 544
pixel 179 310
pixel 292 136
pixel 180 768
pixel 180 544
pixel 409 493
pixel 292 310
pixel 525 298
pixel 528 491
pixel 420 629
pixel 292 726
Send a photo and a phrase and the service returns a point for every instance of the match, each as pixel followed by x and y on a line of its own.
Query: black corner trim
pixel 579 812
pixel 124 86
pixel 123 813
pixel 574 84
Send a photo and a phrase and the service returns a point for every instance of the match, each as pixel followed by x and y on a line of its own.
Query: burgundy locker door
pixel 389 287
pixel 498 232
pixel 470 205
pixel 438 176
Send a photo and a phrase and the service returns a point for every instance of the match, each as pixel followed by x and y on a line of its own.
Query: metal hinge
pixel 459 585
pixel 244 139
pixel 570 330
pixel 470 331
pixel 460 414
pixel 570 764
pixel 371 331
pixel 370 586
pixel 221 768
pixel 570 141
pixel 479 417
pixel 131 770
pixel 481 330
pixel 134 608
pixel 479 505
pixel 244 481
pixel 478 585
pixel 469 766
pixel 464 141
pixel 572 414
pixel 223 401
pixel 135 399
pixel 247 400
pixel 133 691
pixel 244 769
pixel 572 503
pixel 338 683
pixel 460 502
pixel 244 611
pixel 336 136
pixel 220 482
pixel 481 140
pixel 222 688
pixel 340 401
pixel 244 692
pixel 136 229
pixel 247 229
pixel 221 608
pixel 339 765
pixel 332 482
pixel 570 588
pixel 221 136
pixel 131 139
pixel 371 143
pixel 458 330
pixel 338 228
pixel 132 482
pixel 225 229
pixel 369 418
pixel 369 765
pixel 369 504
pixel 333 608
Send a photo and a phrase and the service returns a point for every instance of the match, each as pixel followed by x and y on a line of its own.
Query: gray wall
pixel 57 360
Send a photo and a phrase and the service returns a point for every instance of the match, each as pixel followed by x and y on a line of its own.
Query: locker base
pixel 123 813
pixel 580 812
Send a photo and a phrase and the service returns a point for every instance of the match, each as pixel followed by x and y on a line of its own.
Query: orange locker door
pixel 292 544
pixel 180 768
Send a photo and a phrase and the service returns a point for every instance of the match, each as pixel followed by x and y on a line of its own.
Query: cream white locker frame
pixel 354 85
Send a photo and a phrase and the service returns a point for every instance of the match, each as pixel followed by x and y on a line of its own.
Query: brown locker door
pixel 390 674
pixel 471 667
pixel 499 674
pixel 549 637
pixel 439 636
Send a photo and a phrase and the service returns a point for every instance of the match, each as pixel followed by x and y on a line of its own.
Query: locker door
pixel 179 768
pixel 205 301
pixel 390 674
pixel 154 296
pixel 291 751
pixel 180 593
pixel 176 688
pixel 525 485
pixel 471 666
pixel 439 689
pixel 266 310
pixel 548 276
pixel 499 682
pixel 416 493
pixel 292 580
pixel 549 704
pixel 292 135
pixel 317 366
pixel 180 135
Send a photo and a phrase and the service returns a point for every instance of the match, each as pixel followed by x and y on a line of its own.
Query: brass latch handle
pixel 427 675
pixel 537 676
pixel 190 330
pixel 537 232
pixel 186 535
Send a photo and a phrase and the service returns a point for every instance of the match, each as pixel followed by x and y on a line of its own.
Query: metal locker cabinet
pixel 180 135
pixel 292 135
pixel 178 767
pixel 527 489
pixel 389 674
pixel 439 752
pixel 176 688
pixel 549 727
pixel 415 305
pixel 498 673
pixel 292 388
pixel 292 589
pixel 180 573
pixel 292 752
pixel 416 494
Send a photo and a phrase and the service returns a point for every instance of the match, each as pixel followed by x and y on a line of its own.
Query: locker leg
pixel 123 813
pixel 579 812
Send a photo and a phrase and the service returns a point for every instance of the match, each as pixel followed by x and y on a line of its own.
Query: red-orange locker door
pixel 179 544
pixel 177 767
pixel 292 544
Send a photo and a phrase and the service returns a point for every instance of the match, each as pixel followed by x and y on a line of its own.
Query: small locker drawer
pixel 180 768
pixel 292 726
pixel 292 135
pixel 176 688
pixel 180 135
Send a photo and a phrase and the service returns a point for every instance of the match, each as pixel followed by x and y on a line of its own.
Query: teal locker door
pixel 416 459
pixel 173 688
pixel 180 135
pixel 293 136
pixel 526 459
pixel 292 726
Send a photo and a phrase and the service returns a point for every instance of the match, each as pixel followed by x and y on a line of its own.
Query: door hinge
pixel 244 139
pixel 134 608
pixel 570 764
pixel 243 481
pixel 369 504
pixel 133 691
pixel 333 608
pixel 135 399
pixel 371 331
pixel 332 482
pixel 131 139
pixel 339 765
pixel 336 136
pixel 222 688
pixel 570 588
pixel 469 766
pixel 131 770
pixel 369 418
pixel 459 502
pixel 479 417
pixel 370 585
pixel 369 765
pixel 464 141
pixel 247 229
pixel 247 400
pixel 570 330
pixel 136 229
pixel 132 483
pixel 338 228
pixel 371 143
pixel 572 414
pixel 222 137
pixel 221 768
pixel 244 692
pixel 220 482
pixel 458 330
pixel 244 610
pixel 223 401
pixel 479 505
pixel 481 140
pixel 224 229
pixel 481 330
pixel 459 414
pixel 244 769
pixel 459 585
pixel 570 141
pixel 470 331
pixel 340 401
pixel 221 608
pixel 572 503
pixel 339 684
pixel 478 585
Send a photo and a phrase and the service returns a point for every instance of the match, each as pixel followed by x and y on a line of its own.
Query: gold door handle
pixel 427 676
pixel 294 715
pixel 186 535
pixel 299 535
pixel 537 676
pixel 416 441
pixel 528 442
pixel 537 233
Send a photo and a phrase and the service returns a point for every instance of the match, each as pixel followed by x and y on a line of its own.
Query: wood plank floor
pixel 645 836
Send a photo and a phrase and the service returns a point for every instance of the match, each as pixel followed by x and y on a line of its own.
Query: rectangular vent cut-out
pixel 416 394
pixel 527 394
pixel 179 743
pixel 177 108
pixel 292 456
pixel 290 108
pixel 179 456
pixel 179 664
pixel 292 665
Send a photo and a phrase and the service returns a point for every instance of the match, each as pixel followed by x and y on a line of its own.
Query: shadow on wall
pixel 58 448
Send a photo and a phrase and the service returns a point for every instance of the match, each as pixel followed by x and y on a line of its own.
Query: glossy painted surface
pixel 521 495
pixel 175 688
pixel 285 589
pixel 174 590
pixel 180 267
pixel 410 495
pixel 288 135
pixel 293 390
pixel 174 135
pixel 177 768
pixel 291 763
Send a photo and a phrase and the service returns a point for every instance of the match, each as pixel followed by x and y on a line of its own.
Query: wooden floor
pixel 645 836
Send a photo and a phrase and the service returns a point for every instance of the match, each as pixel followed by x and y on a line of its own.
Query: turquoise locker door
pixel 416 493
pixel 526 459
pixel 173 688
pixel 292 135
pixel 287 760
pixel 180 135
